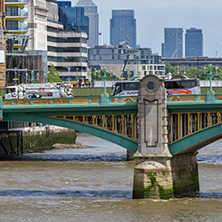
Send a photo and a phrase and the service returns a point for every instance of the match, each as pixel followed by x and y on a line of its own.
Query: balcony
pixel 21 16
pixel 20 29
pixel 16 3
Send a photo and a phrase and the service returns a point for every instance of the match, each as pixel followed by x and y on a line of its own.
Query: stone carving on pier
pixel 152 113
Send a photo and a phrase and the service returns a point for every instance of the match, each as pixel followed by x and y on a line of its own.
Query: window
pixel 172 84
pixel 132 86
pixel 188 84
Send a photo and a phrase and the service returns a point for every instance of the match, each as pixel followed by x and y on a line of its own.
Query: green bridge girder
pixel 44 114
pixel 197 140
pixel 201 138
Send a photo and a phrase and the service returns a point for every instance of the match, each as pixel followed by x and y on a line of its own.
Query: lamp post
pixel 104 78
pixel 69 68
pixel 134 74
pixel 211 93
pixel 77 76
pixel 26 77
pixel 104 96
pixel 32 77
pixel 3 75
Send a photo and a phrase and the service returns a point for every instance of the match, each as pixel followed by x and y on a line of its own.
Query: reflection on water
pixel 67 157
pixel 123 194
pixel 95 184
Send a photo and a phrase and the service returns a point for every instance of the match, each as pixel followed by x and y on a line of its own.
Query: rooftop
pixel 85 3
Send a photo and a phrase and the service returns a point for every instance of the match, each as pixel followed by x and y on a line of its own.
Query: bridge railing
pixel 66 101
pixel 193 97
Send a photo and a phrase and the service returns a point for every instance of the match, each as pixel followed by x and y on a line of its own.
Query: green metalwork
pixel 32 80
pixel 46 110
pixel 211 94
pixel 3 75
pixel 57 111
pixel 197 103
pixel 104 96
pixel 1 108
pixel 42 118
pixel 197 140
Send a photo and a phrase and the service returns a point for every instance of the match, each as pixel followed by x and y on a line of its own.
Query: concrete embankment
pixel 34 139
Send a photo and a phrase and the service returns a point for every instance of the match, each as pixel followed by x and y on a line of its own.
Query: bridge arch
pixel 78 126
pixel 197 140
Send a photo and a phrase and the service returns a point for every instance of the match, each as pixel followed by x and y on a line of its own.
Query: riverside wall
pixel 34 139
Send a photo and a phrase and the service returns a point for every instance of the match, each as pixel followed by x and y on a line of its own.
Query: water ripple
pixel 67 157
pixel 122 194
pixel 210 159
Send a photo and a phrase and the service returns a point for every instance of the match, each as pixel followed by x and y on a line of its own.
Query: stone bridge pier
pixel 158 174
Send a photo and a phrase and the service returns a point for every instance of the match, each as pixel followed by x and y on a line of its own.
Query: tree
pixel 99 76
pixel 195 73
pixel 216 73
pixel 53 74
pixel 173 69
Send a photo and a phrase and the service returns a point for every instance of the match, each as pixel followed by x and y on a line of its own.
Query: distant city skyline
pixel 122 26
pixel 193 42
pixel 90 10
pixel 153 16
pixel 173 43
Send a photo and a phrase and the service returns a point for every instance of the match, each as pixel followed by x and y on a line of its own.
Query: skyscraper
pixel 123 24
pixel 173 43
pixel 91 11
pixel 193 42
pixel 73 18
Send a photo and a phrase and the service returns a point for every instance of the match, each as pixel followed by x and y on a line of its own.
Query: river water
pixel 95 184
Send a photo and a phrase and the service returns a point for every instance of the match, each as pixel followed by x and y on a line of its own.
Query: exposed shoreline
pixel 70 146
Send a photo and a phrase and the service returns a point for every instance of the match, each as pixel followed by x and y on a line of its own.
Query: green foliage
pixel 99 76
pixel 194 72
pixel 53 74
pixel 214 71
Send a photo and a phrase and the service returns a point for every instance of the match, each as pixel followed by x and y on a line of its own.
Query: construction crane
pixel 124 67
pixel 174 53
pixel 124 43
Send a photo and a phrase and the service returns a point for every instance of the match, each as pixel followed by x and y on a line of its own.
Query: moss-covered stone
pixel 38 143
pixel 14 143
pixel 157 188
pixel 166 193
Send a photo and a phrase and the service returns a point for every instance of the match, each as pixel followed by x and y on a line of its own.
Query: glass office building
pixel 90 9
pixel 173 43
pixel 73 18
pixel 123 24
pixel 193 42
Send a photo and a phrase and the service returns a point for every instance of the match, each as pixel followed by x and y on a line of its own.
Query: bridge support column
pixel 158 174
pixel 130 155
pixel 164 178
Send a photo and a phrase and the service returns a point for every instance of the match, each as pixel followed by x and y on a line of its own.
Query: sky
pixel 152 16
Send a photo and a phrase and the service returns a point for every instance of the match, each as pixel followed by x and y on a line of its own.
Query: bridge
pixel 164 132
